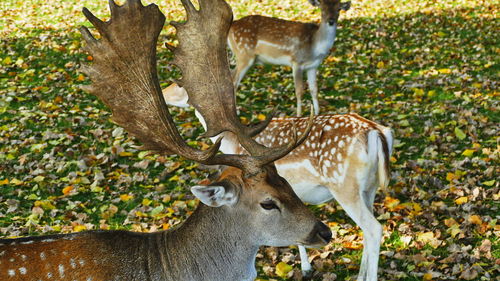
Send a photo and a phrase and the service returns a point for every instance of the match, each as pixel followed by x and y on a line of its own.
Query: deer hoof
pixel 307 274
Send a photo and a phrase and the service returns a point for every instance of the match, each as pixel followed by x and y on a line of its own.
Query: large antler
pixel 201 55
pixel 124 76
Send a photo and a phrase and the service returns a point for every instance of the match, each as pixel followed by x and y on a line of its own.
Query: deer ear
pixel 214 195
pixel 345 5
pixel 314 2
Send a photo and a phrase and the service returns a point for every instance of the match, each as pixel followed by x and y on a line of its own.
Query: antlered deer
pixel 344 157
pixel 249 206
pixel 303 46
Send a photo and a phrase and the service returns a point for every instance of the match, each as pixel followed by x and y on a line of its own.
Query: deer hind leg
pixel 298 79
pixel 313 87
pixel 356 200
pixel 243 63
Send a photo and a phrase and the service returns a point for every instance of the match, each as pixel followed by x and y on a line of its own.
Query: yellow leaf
pixel 244 120
pixel 174 178
pixel 4 181
pixel 425 236
pixel 391 203
pixel 332 59
pixel 146 202
pixel 140 214
pixel 417 207
pixel 468 152
pixel 125 153
pixel 455 230
pixel 450 222
pixel 78 228
pixel 67 189
pixel 475 219
pixel 450 176
pixel 261 117
pixel 489 183
pixel 126 197
pixel 461 200
pixel 380 64
pixel 46 205
pixel 81 77
pixel 441 34
pixel 16 181
pixel 204 146
pixel 7 60
pixel 444 71
pixel 418 92
pixel 427 276
pixel 282 269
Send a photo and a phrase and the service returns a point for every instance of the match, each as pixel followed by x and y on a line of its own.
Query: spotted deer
pixel 248 206
pixel 345 157
pixel 303 46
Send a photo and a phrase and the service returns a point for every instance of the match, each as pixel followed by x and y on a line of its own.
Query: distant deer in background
pixel 303 46
pixel 250 205
pixel 345 157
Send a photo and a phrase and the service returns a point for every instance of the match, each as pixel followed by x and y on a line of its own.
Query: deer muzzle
pixel 319 236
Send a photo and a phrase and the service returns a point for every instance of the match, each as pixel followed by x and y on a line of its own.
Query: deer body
pixel 219 241
pixel 303 46
pixel 345 157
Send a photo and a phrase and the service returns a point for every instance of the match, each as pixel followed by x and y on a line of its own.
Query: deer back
pixel 272 36
pixel 94 255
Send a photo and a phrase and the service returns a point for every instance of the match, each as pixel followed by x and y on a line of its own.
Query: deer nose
pixel 331 21
pixel 324 231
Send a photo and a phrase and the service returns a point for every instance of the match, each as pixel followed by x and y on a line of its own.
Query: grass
pixel 427 69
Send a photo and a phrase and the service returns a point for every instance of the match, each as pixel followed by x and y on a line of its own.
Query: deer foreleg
pixel 313 87
pixel 298 78
pixel 305 265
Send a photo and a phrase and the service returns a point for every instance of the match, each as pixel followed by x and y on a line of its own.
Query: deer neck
pixel 229 144
pixel 324 38
pixel 211 244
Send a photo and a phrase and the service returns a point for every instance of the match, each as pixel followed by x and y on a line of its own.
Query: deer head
pixel 330 9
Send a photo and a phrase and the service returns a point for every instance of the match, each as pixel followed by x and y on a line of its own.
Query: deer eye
pixel 269 205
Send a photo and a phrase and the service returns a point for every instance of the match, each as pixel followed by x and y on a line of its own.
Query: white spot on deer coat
pixel 61 270
pixel 11 272
pixel 341 144
pixel 23 270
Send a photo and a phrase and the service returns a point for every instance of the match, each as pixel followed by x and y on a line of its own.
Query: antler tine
pixel 257 128
pixel 279 152
pixel 124 77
